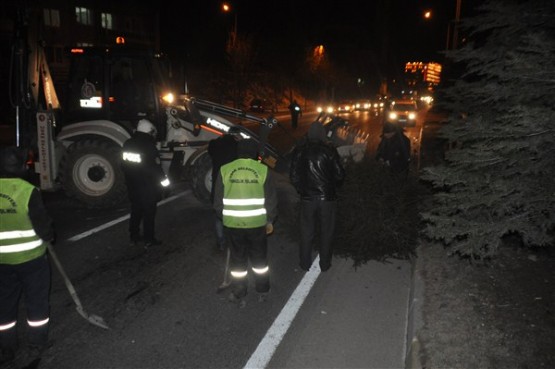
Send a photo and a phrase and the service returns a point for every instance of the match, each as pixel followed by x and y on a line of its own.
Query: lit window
pixel 106 19
pixel 51 17
pixel 83 15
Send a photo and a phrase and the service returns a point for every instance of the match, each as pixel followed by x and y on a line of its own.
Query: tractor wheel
pixel 90 172
pixel 202 177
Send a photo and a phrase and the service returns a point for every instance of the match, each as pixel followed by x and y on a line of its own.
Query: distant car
pixel 363 105
pixel 328 108
pixel 378 105
pixel 345 106
pixel 402 112
pixel 260 105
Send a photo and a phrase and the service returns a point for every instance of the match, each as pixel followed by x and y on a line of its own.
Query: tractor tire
pixel 90 172
pixel 201 177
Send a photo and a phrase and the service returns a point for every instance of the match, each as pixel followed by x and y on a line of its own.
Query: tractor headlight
pixel 168 98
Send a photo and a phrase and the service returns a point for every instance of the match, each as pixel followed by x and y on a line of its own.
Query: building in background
pixel 421 79
pixel 61 24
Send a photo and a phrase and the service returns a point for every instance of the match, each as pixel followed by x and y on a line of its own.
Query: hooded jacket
pixel 316 169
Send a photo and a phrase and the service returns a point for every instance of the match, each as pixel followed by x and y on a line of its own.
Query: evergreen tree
pixel 498 177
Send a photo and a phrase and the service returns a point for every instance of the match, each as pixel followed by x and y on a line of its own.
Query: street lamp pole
pixel 226 7
pixel 455 24
pixel 234 28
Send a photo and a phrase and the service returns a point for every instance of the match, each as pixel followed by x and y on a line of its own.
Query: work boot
pixel 7 355
pixel 134 241
pixel 235 299
pixel 32 354
pixel 153 242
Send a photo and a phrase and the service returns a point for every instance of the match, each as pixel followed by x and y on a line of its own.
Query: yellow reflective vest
pixel 243 194
pixel 18 241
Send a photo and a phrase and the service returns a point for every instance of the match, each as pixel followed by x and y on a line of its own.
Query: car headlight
pixel 319 109
pixel 392 115
pixel 412 116
pixel 329 109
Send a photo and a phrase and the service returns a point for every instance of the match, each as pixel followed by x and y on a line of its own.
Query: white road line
pixel 120 219
pixel 266 348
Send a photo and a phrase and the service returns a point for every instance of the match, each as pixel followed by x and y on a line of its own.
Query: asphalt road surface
pixel 163 310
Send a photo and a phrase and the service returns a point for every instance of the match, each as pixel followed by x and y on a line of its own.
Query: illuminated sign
pixel 94 102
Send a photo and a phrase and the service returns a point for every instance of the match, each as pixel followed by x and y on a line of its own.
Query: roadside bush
pixel 378 214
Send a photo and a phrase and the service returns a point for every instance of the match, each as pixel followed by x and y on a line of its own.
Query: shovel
pixel 227 282
pixel 93 319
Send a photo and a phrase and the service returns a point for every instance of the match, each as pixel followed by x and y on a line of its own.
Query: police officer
pixel 246 199
pixel 145 180
pixel 25 232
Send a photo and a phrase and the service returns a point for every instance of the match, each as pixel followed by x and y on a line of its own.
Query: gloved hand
pixel 269 228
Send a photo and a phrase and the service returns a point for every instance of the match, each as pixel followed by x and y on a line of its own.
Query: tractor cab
pixel 118 85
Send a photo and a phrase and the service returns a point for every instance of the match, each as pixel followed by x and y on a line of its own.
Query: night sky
pixel 372 36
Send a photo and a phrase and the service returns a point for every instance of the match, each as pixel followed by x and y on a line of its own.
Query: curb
pixel 415 320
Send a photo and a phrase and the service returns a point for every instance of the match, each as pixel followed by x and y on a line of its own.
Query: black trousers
pixel 317 214
pixel 248 246
pixel 143 210
pixel 32 280
pixel 294 120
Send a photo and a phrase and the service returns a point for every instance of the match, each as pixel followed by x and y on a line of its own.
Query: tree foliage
pixel 377 214
pixel 498 176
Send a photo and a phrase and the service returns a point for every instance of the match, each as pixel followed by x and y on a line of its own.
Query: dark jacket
pixel 144 176
pixel 316 170
pixel 222 150
pixel 394 150
pixel 295 109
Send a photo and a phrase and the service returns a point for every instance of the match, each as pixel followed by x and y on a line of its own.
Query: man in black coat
pixel 316 173
pixel 145 179
pixel 394 149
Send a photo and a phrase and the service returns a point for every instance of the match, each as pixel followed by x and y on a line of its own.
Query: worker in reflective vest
pixel 25 231
pixel 246 199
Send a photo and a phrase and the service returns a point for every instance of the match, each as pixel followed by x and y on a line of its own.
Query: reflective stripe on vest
pixel 18 241
pixel 243 201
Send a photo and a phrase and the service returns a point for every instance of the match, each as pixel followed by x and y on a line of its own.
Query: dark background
pixel 364 37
